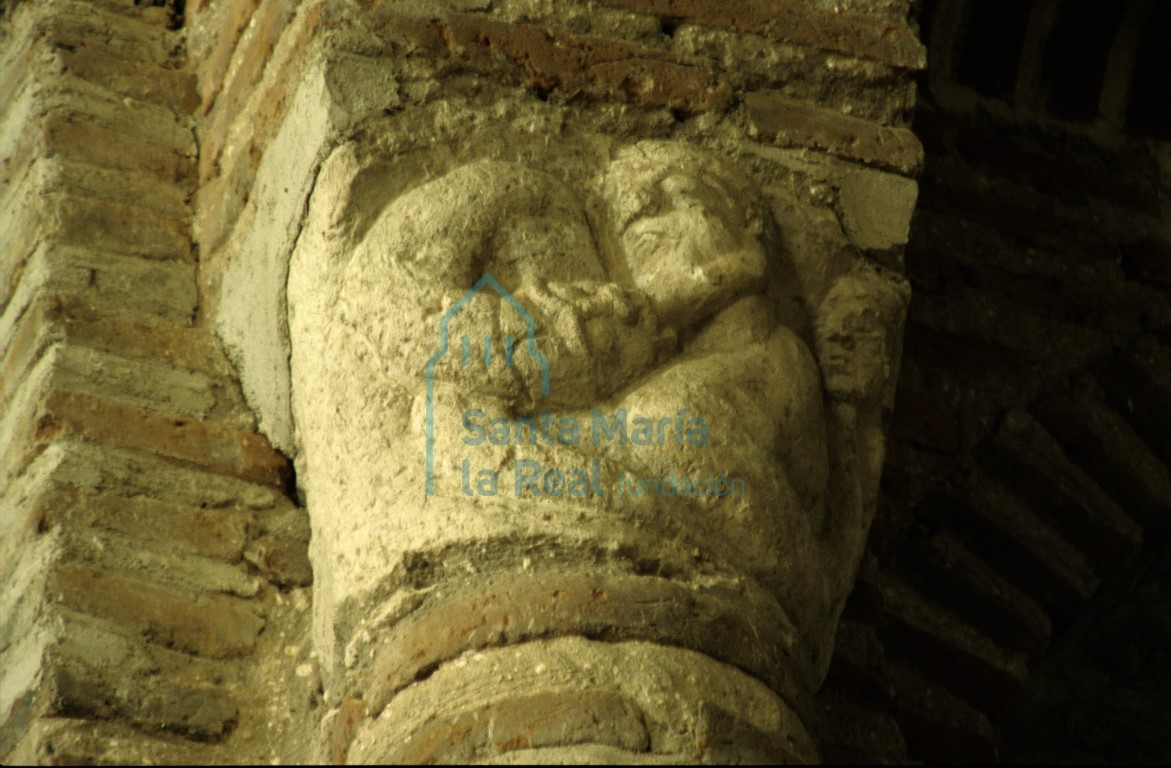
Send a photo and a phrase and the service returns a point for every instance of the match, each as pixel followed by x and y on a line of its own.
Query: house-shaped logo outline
pixel 530 336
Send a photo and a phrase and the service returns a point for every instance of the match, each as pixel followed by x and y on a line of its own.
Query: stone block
pixel 876 208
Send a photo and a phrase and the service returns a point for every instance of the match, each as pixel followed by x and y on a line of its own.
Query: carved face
pixel 676 323
pixel 854 328
pixel 689 244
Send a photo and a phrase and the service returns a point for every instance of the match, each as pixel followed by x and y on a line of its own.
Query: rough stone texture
pixel 377 309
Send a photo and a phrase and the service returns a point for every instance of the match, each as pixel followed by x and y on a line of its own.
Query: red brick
pixel 942 568
pixel 221 449
pixel 124 74
pixel 349 719
pixel 212 68
pixel 143 37
pixel 936 724
pixel 547 719
pixel 576 66
pixel 219 533
pixel 32 335
pixel 515 608
pixel 109 149
pixel 1034 465
pixel 248 65
pixel 965 661
pixel 776 119
pixel 216 627
pixel 123 228
pixel 794 21
pixel 88 322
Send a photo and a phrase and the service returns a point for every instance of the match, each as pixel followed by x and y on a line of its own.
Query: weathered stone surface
pixel 877 208
pixel 617 330
pixel 726 253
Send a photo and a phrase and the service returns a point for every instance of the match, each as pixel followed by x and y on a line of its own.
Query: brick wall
pixel 149 554
pixel 1029 452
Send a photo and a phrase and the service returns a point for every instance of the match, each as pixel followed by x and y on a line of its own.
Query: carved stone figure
pixel 593 437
